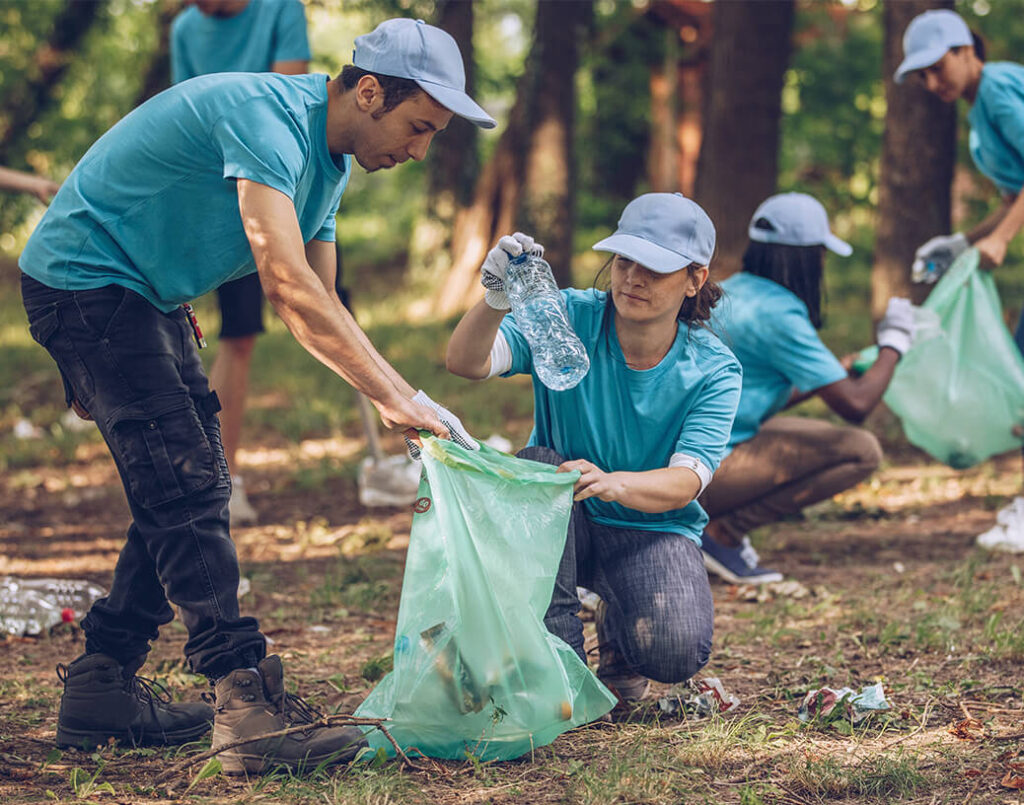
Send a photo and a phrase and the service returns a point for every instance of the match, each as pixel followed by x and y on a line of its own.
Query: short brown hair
pixel 395 89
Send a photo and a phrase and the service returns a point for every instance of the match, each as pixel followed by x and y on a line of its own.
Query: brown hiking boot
pixel 103 700
pixel 629 687
pixel 251 704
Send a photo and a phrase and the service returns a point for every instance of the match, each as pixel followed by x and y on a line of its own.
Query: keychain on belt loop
pixel 197 332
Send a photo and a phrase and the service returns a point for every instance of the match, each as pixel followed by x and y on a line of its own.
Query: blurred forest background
pixel 597 101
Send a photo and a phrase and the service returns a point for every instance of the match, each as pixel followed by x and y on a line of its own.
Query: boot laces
pixel 296 710
pixel 148 690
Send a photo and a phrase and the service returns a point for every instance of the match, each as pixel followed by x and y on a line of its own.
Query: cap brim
pixel 838 245
pixel 649 255
pixel 458 102
pixel 918 61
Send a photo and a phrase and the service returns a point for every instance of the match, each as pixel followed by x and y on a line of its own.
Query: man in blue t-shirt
pixel 213 179
pixel 238 36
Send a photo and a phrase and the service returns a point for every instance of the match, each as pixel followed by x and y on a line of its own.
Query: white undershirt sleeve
pixel 695 464
pixel 501 356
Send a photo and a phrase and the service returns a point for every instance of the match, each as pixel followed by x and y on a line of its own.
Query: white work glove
pixel 896 329
pixel 459 433
pixel 934 258
pixel 492 272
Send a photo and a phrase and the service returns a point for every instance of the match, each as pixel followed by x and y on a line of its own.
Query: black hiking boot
pixel 251 703
pixel 103 699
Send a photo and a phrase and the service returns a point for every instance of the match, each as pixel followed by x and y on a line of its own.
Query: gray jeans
pixel 791 463
pixel 660 615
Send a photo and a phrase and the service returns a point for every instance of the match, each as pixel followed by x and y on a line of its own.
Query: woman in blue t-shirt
pixel 942 53
pixel 769 317
pixel 646 429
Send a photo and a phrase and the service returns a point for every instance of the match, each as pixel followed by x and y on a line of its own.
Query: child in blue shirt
pixel 646 428
pixel 948 59
pixel 769 318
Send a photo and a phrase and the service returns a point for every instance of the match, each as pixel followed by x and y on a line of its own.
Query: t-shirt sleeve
pixel 708 423
pixel 291 42
pixel 261 142
pixel 522 358
pixel 797 352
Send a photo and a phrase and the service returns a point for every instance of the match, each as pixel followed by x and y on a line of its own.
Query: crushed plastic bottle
pixel 559 357
pixel 34 606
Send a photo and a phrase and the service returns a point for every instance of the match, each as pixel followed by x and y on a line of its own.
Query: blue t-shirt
pixel 153 205
pixel 997 125
pixel 264 32
pixel 769 330
pixel 622 419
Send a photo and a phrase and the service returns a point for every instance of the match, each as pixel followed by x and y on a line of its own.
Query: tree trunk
pixel 527 184
pixel 737 167
pixel 158 74
pixel 52 58
pixel 548 206
pixel 918 154
pixel 451 168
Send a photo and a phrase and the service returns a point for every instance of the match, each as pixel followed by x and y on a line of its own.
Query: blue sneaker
pixel 736 565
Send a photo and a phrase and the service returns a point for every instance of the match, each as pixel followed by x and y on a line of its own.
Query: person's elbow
pixel 458 365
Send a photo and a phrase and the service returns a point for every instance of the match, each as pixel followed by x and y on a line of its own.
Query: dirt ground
pixel 890 588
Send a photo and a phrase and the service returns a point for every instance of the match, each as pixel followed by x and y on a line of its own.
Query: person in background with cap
pixel 769 317
pixel 645 428
pixel 238 36
pixel 210 180
pixel 947 59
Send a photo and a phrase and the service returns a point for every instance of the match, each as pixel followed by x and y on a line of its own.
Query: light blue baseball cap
pixel 797 219
pixel 664 232
pixel 406 48
pixel 929 37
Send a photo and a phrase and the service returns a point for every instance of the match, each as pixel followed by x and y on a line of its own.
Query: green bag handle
pixel 493 462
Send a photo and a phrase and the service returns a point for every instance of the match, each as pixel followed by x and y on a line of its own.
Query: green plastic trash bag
pixel 475 669
pixel 959 390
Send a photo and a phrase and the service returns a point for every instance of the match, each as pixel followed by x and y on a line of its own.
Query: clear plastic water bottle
pixel 559 357
pixel 34 606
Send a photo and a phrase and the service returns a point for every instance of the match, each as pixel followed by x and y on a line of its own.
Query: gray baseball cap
pixel 797 219
pixel 406 48
pixel 929 37
pixel 664 232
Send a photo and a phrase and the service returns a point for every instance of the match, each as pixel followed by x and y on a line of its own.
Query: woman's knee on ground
pixel 669 651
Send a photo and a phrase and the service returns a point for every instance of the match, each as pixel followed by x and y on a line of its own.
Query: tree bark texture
pixel 738 164
pixel 528 182
pixel 52 58
pixel 918 155
pixel 158 74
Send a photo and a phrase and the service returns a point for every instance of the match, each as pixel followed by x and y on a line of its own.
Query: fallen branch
pixel 325 721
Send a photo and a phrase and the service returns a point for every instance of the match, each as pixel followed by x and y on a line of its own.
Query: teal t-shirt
pixel 153 205
pixel 769 330
pixel 264 32
pixel 622 419
pixel 997 125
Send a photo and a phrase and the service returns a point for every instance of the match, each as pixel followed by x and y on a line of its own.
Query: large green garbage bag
pixel 959 390
pixel 475 669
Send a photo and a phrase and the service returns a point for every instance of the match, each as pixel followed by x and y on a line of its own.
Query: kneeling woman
pixel 646 429
pixel 769 318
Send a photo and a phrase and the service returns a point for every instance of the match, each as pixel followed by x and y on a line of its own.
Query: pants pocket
pixel 43 327
pixel 163 448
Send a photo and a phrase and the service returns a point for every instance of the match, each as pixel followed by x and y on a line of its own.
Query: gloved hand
pixel 492 272
pixel 896 329
pixel 459 433
pixel 933 258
